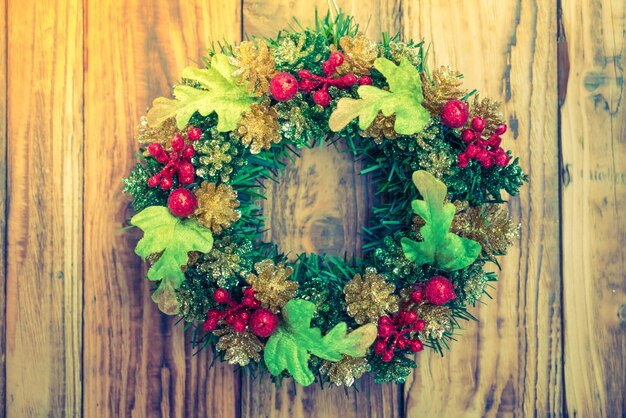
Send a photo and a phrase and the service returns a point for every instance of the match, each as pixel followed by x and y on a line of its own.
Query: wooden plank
pixel 319 207
pixel 3 202
pixel 510 362
pixel 45 237
pixel 136 360
pixel 593 137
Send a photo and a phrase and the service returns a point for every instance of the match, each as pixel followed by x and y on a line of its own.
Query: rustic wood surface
pixel 79 335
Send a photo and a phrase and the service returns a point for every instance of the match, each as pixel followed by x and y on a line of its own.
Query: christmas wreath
pixel 431 148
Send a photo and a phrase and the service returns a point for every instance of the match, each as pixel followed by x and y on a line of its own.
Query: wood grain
pixel 3 201
pixel 593 136
pixel 136 361
pixel 509 362
pixel 45 183
pixel 319 206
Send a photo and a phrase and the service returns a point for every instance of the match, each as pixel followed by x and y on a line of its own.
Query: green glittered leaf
pixel 439 247
pixel 290 347
pixel 172 238
pixel 219 92
pixel 404 99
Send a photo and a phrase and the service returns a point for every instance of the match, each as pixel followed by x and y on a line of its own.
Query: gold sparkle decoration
pixel 345 371
pixel 163 135
pixel 445 85
pixel 381 128
pixel 291 52
pixel 490 225
pixel 217 206
pixel 255 64
pixel 489 110
pixel 222 262
pixel 437 320
pixel 259 128
pixel 369 297
pixel 271 286
pixel 359 53
pixel 215 154
pixel 399 50
pixel 437 163
pixel 239 347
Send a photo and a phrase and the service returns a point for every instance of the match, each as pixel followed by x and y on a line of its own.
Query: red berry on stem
pixel 478 124
pixel 154 180
pixel 365 81
pixel 387 356
pixel 155 149
pixel 500 130
pixel 322 98
pixel 263 322
pixel 178 142
pixel 188 151
pixel 221 296
pixel 307 85
pixel 194 134
pixel 468 136
pixel 501 158
pixel 494 141
pixel 463 160
pixel 166 182
pixel 336 59
pixel 238 325
pixel 347 80
pixel 401 342
pixel 379 347
pixel 439 290
pixel 283 87
pixel 472 150
pixel 419 325
pixel 417 295
pixel 415 345
pixel 328 68
pixel 454 114
pixel 182 203
pixel 385 330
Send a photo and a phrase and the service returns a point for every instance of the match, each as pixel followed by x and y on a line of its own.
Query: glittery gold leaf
pixel 239 347
pixel 489 110
pixel 259 128
pixel 346 371
pixel 291 52
pixel 437 320
pixel 216 206
pixel 222 262
pixel 216 156
pixel 381 128
pixel 437 163
pixel 255 64
pixel 359 55
pixel 162 135
pixel 369 297
pixel 271 286
pixel 445 85
pixel 399 50
pixel 489 225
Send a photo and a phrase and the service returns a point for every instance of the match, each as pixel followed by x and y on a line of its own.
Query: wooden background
pixel 78 332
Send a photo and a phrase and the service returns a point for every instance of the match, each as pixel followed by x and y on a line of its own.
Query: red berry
pixel 305 74
pixel 322 98
pixel 385 330
pixel 263 322
pixel 500 130
pixel 238 325
pixel 468 136
pixel 166 182
pixel 347 80
pixel 408 317
pixel 439 290
pixel 478 124
pixel 501 158
pixel 417 295
pixel 244 316
pixel 155 149
pixel 385 320
pixel 387 356
pixel 307 85
pixel 462 160
pixel 336 59
pixel 154 180
pixel 379 347
pixel 419 325
pixel 248 291
pixel 487 162
pixel 194 134
pixel 494 141
pixel 415 345
pixel 328 68
pixel 472 150
pixel 186 169
pixel 283 87
pixel 182 203
pixel 365 81
pixel 188 151
pixel 178 142
pixel 401 342
pixel 221 296
pixel 454 114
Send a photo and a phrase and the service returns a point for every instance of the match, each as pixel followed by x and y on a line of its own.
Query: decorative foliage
pixel 259 128
pixel 219 92
pixel 238 347
pixel 346 371
pixel 370 297
pixel 445 85
pixel 216 206
pixel 439 247
pixel 291 346
pixel 360 54
pixel 271 285
pixel 255 65
pixel 404 99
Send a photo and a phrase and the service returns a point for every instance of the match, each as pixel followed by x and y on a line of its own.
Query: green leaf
pixel 173 238
pixel 439 247
pixel 220 92
pixel 404 99
pixel 291 346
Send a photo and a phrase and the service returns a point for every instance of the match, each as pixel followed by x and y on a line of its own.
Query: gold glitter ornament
pixel 359 53
pixel 437 320
pixel 369 297
pixel 345 371
pixel 438 163
pixel 490 225
pixel 255 64
pixel 271 286
pixel 487 109
pixel 445 85
pixel 381 128
pixel 259 128
pixel 216 156
pixel 163 135
pixel 239 347
pixel 399 50
pixel 216 206
pixel 222 263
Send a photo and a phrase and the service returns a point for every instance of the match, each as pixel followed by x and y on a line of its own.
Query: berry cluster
pixel 177 162
pixel 246 314
pixel 310 82
pixel 398 331
pixel 486 151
